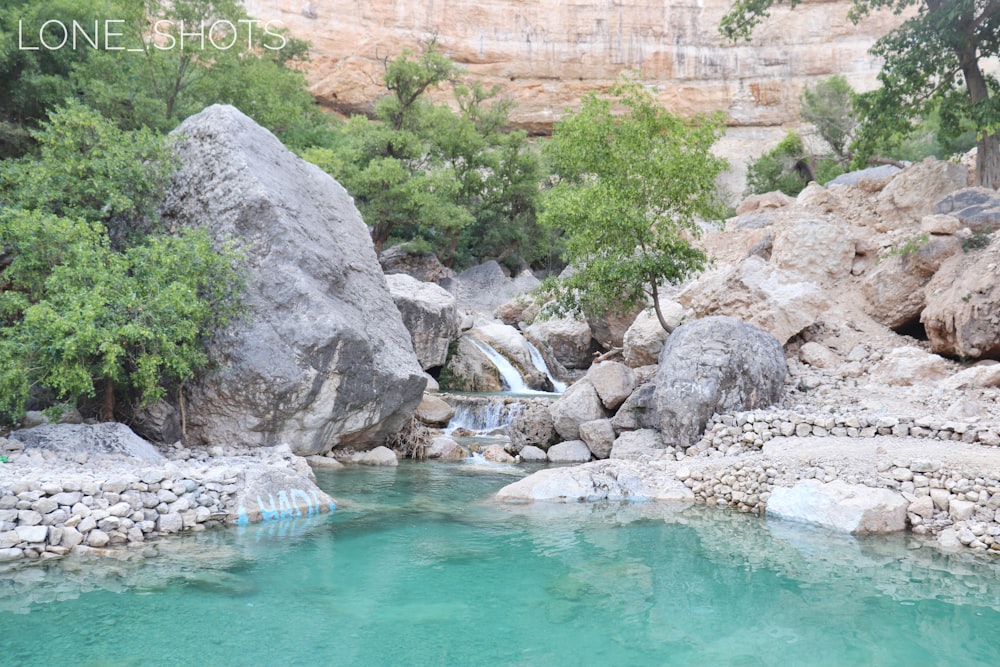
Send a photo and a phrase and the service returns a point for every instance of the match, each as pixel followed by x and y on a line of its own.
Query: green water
pixel 419 567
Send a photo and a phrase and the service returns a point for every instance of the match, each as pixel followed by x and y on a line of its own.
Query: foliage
pixel 980 239
pixel 911 245
pixel 88 168
pixel 76 315
pixel 777 168
pixel 631 191
pixel 828 107
pixel 158 84
pixel 420 170
pixel 925 62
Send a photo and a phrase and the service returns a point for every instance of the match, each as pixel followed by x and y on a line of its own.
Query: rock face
pixel 894 290
pixel 817 251
pixel 546 54
pixel 468 369
pixel 975 208
pixel 485 287
pixel 97 439
pixel 914 192
pixel 716 364
pixel 849 508
pixel 533 427
pixel 429 314
pixel 570 341
pixel 323 359
pixel 963 299
pixel 776 300
pixel 425 268
pixel 645 338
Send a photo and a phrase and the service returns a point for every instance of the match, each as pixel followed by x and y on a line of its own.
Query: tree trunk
pixel 988 145
pixel 107 412
pixel 656 304
pixel 988 161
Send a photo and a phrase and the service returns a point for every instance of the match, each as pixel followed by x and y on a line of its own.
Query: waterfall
pixel 512 379
pixel 482 414
pixel 539 361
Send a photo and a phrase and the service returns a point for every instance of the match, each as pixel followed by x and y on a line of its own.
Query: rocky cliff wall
pixel 547 53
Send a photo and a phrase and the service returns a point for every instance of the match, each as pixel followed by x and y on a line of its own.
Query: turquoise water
pixel 419 567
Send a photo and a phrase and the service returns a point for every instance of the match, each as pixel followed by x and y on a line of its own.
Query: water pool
pixel 419 567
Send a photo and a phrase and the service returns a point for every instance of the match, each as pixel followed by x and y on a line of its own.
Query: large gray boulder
pixel 716 364
pixel 322 359
pixel 485 287
pixel 570 341
pixel 429 314
pixel 108 439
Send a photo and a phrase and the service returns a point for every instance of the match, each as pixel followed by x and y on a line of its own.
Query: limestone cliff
pixel 547 53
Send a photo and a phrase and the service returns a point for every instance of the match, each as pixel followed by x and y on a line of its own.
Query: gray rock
pixel 580 403
pixel 869 174
pixel 914 192
pixel 645 338
pixel 599 436
pixel 532 454
pixel 92 439
pixel 97 538
pixel 641 445
pixel 269 493
pixel 445 448
pixel 469 369
pixel 599 480
pixel 427 268
pixel 380 456
pixel 323 463
pixel 975 208
pixel 638 411
pixel 32 534
pixel 532 427
pixel 569 341
pixel 716 364
pixel 434 411
pixel 485 287
pixel 429 314
pixel 322 358
pixel 849 508
pixel 613 381
pixel 572 451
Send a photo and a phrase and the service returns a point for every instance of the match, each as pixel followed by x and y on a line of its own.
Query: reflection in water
pixel 419 565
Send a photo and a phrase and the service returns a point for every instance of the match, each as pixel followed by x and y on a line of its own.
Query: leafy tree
pixel 925 62
pixel 631 191
pixel 828 107
pixel 159 84
pixel 421 171
pixel 78 318
pixel 782 168
pixel 88 168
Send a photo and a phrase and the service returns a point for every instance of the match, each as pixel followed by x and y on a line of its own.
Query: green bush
pixel 77 317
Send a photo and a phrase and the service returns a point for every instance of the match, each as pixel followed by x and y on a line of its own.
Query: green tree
pixel 79 319
pixel 926 61
pixel 457 182
pixel 829 107
pixel 631 191
pixel 783 168
pixel 88 168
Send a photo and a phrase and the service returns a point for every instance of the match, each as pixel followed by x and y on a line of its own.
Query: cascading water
pixel 510 376
pixel 482 414
pixel 539 361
